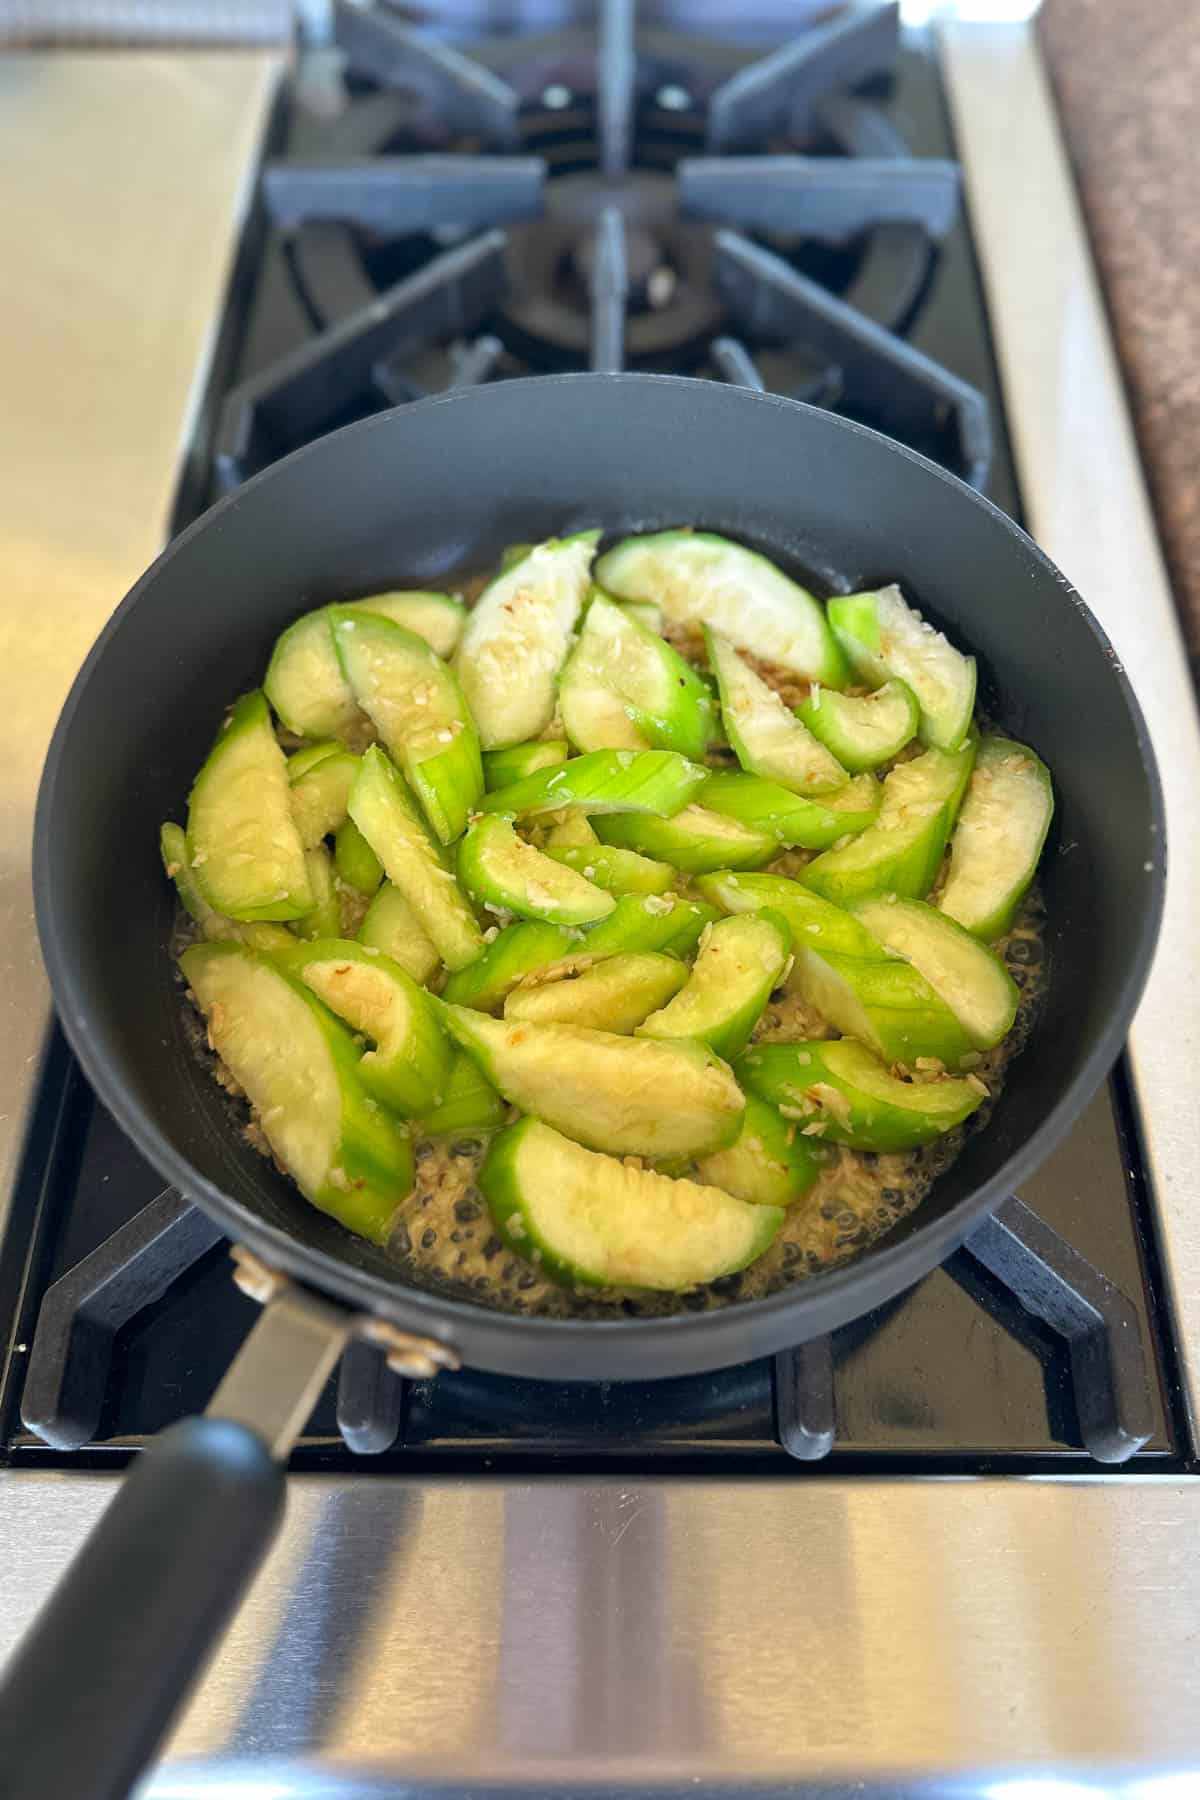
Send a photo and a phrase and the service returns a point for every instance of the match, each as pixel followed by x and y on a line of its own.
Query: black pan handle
pixel 90 1694
pixel 93 1688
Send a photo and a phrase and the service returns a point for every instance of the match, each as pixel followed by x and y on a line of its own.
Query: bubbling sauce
pixel 443 1236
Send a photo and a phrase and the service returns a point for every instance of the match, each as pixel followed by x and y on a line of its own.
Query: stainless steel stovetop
pixel 573 1588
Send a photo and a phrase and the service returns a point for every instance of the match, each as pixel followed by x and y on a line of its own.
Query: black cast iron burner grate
pixel 613 246
pixel 70 1359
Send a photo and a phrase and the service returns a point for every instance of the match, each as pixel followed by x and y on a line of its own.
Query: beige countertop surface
pixel 1127 82
pixel 124 180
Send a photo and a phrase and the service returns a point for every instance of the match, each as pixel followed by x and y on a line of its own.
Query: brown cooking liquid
pixel 443 1236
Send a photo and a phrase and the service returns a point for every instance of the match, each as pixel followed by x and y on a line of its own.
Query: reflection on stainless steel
pixel 1087 504
pixel 562 1630
pixel 116 241
pixel 94 22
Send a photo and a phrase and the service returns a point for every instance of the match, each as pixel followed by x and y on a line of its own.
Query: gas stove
pixel 592 198
pixel 750 202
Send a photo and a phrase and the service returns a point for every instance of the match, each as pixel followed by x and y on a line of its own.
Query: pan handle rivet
pixel 257 1280
pixel 417 1358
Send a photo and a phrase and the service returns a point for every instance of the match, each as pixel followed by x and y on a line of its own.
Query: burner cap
pixel 673 307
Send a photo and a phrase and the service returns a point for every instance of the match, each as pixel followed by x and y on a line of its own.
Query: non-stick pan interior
pixel 413 496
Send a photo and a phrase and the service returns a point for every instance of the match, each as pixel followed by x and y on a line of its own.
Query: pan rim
pixel 894 1267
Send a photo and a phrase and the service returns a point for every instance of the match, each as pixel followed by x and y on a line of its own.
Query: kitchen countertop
pixel 1127 80
pixel 125 180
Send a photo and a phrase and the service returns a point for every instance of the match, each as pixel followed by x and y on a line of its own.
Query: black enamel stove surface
pixel 594 201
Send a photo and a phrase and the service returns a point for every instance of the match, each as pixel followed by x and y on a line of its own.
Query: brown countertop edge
pixel 1127 82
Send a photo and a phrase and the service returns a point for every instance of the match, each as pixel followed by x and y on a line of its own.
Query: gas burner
pixel 672 307
pixel 677 208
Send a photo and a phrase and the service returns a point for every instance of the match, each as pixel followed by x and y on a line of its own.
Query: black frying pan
pixel 407 499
